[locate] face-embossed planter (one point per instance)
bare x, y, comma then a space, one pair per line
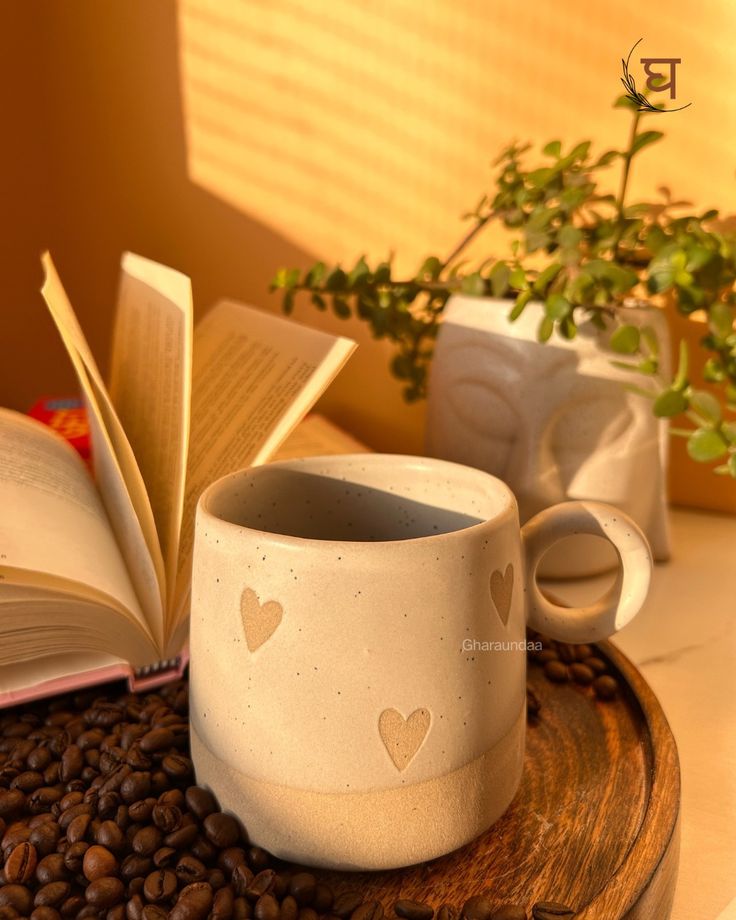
358, 650
553, 421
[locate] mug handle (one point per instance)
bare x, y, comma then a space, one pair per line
620, 604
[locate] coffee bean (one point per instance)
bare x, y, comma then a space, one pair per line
147, 840
241, 878
20, 866
51, 869
176, 765
166, 817
413, 910
323, 898
45, 837
104, 892
52, 894
605, 687
261, 884
200, 802
110, 836
182, 837
510, 912
28, 781
346, 903
551, 910
141, 811
78, 828
289, 909
189, 869
154, 912
194, 902
598, 665
98, 862
477, 908
74, 857
135, 786
302, 886
159, 886
165, 857
546, 655
371, 910
221, 829
72, 763
18, 897
158, 739
12, 802
556, 671
45, 913
258, 858
581, 673
532, 702
266, 908
223, 906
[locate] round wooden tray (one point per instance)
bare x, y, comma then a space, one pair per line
594, 825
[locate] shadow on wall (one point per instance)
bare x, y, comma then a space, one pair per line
108, 135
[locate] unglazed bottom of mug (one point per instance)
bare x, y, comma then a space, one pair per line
385, 829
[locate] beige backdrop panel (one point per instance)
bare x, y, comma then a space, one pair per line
228, 137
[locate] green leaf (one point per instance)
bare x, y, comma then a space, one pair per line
431, 268
319, 301
552, 149
605, 159
557, 307
540, 177
499, 277
285, 278
521, 301
517, 279
568, 328
706, 444
336, 279
650, 339
720, 319
580, 151
705, 405
382, 274
669, 403
288, 303
359, 273
625, 102
340, 306
545, 278
713, 371
473, 285
644, 139
569, 237
315, 275
545, 330
625, 340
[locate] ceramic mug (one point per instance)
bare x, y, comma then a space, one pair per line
358, 649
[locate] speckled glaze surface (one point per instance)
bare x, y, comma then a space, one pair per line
555, 421
358, 628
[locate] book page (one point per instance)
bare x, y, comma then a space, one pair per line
116, 472
255, 376
317, 436
53, 522
150, 386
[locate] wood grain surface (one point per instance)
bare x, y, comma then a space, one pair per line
594, 825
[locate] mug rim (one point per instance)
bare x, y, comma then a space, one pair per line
508, 507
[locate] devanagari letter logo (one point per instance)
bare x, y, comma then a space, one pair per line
656, 78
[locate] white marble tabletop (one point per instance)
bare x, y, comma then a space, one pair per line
684, 642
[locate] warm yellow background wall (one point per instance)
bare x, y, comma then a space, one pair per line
229, 137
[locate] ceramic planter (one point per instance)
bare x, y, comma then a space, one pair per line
554, 421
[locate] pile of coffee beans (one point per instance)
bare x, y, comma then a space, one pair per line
100, 817
562, 662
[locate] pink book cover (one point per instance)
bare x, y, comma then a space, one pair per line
139, 680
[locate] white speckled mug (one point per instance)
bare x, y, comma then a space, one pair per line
358, 649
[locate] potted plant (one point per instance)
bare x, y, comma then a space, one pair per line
578, 256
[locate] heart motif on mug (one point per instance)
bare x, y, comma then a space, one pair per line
502, 587
403, 737
260, 621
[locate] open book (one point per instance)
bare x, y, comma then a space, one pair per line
97, 568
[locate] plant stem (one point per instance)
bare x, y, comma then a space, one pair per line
470, 235
628, 156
